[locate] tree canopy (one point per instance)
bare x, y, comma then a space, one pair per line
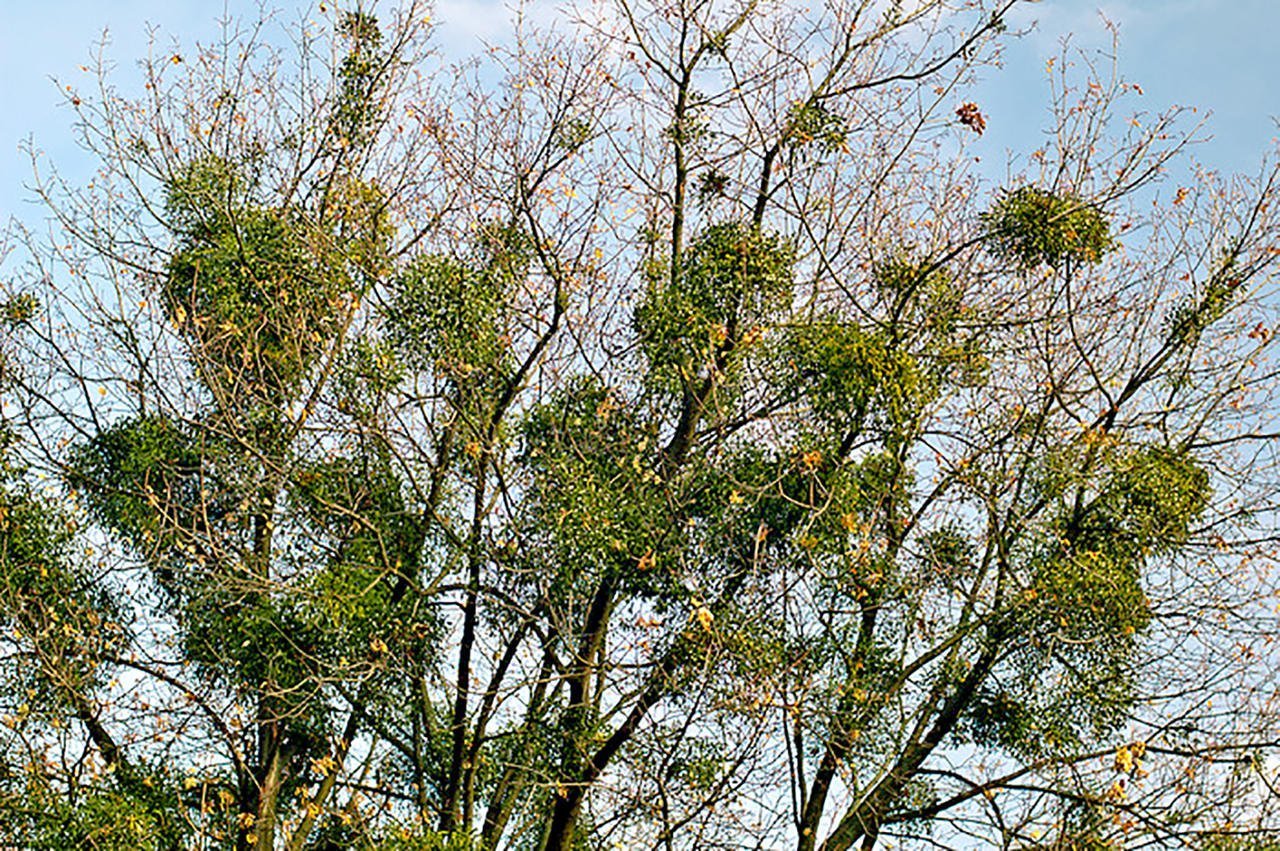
654, 433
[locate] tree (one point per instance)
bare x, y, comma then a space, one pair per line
651, 435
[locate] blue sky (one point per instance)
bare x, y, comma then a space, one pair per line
1218, 55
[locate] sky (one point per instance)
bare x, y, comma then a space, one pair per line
1216, 55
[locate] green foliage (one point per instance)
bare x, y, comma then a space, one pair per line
855, 378
446, 317
258, 311
1084, 605
732, 278
149, 481
1187, 321
575, 133
372, 542
946, 553
1153, 496
1029, 226
813, 122
354, 233
698, 765
60, 621
823, 507
426, 840
237, 636
1088, 586
449, 314
367, 373
1038, 707
260, 291
712, 184
19, 309
733, 272
120, 815
591, 459
358, 77
203, 195
884, 376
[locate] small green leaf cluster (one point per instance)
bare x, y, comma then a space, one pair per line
592, 464
354, 232
883, 375
19, 308
1084, 604
946, 554
425, 839
731, 278
699, 764
238, 636
1188, 321
358, 75
712, 184
855, 377
692, 127
1028, 711
49, 603
929, 309
1088, 584
811, 122
573, 134
132, 468
449, 314
1029, 226
367, 373
355, 509
122, 814
254, 290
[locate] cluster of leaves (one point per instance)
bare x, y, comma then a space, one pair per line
1084, 605
812, 122
358, 79
731, 278
592, 461
50, 604
856, 377
1188, 321
883, 376
136, 811
131, 469
1029, 226
356, 512
20, 308
253, 289
449, 314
